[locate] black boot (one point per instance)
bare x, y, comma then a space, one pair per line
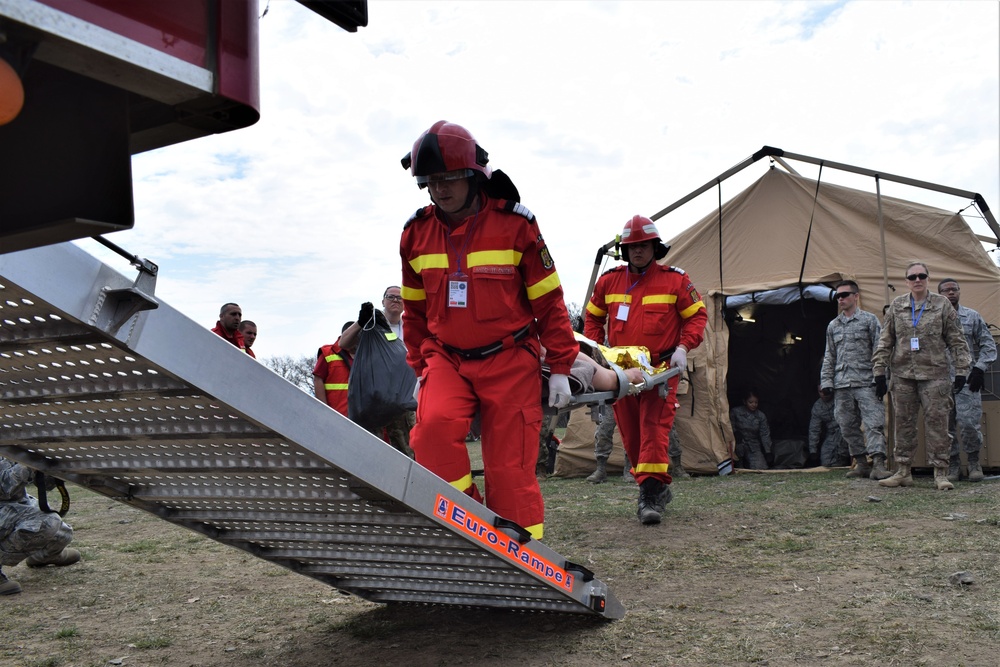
8, 586
653, 498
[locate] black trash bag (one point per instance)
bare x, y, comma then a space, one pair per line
381, 383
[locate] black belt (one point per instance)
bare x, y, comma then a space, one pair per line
492, 348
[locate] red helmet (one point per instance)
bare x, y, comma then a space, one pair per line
640, 229
446, 147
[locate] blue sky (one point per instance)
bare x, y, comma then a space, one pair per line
597, 111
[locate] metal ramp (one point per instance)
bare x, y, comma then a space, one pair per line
102, 386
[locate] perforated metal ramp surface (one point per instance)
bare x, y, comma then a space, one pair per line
164, 415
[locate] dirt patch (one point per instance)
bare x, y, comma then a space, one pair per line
746, 570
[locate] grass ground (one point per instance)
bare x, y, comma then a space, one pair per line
794, 569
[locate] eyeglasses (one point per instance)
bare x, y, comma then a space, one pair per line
844, 295
916, 276
393, 298
949, 290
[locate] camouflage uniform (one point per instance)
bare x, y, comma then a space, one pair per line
824, 428
753, 437
24, 529
847, 369
920, 378
398, 432
968, 412
605, 433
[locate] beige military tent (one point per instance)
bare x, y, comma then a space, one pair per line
783, 232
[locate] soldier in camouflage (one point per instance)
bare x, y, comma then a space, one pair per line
918, 330
964, 424
851, 338
825, 440
25, 531
753, 435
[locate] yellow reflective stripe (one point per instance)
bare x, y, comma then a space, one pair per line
659, 298
333, 357
594, 310
391, 336
335, 387
618, 298
543, 287
434, 261
537, 530
463, 484
692, 309
412, 294
651, 467
493, 258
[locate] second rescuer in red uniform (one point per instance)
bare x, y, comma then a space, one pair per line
480, 289
656, 307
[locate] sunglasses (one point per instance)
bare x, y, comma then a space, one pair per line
916, 276
844, 295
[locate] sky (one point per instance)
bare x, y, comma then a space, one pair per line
596, 110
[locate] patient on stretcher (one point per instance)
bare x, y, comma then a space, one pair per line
592, 371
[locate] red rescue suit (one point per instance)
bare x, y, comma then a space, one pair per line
236, 337
497, 258
658, 309
333, 366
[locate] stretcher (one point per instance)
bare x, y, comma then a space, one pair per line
106, 386
652, 379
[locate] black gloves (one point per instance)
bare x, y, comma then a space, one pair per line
959, 383
827, 392
975, 380
366, 313
881, 388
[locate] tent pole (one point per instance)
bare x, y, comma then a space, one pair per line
975, 196
766, 151
881, 231
777, 154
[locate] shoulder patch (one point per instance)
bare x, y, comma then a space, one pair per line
519, 208
421, 213
676, 269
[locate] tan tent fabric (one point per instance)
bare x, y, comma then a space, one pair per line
764, 230
575, 457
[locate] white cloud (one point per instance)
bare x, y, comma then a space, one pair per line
596, 110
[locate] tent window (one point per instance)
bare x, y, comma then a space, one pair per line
778, 349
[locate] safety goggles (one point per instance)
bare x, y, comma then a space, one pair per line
916, 276
444, 177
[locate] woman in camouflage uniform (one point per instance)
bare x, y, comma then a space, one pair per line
918, 328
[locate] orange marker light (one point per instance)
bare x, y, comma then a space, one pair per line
11, 93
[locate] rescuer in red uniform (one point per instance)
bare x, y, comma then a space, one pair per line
480, 289
228, 326
657, 307
332, 371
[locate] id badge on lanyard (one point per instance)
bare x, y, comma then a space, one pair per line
458, 290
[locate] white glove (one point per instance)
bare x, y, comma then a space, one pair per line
559, 393
679, 359
416, 390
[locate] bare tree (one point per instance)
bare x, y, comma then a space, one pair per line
297, 370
